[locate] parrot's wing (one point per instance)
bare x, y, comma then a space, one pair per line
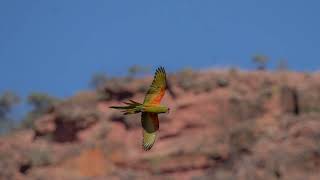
157, 88
150, 124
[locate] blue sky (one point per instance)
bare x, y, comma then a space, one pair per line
56, 46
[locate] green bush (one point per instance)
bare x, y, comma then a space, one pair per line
261, 61
282, 65
41, 103
137, 69
99, 80
186, 79
8, 99
39, 157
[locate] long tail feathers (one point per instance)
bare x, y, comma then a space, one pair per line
131, 108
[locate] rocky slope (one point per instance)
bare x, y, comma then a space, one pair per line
223, 124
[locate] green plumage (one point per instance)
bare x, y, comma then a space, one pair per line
150, 124
157, 88
131, 108
150, 108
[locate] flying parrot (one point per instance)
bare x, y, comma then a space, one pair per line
150, 108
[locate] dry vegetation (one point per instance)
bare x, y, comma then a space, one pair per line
224, 124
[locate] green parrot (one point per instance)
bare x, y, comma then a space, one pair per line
150, 108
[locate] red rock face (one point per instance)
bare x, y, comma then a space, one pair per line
222, 125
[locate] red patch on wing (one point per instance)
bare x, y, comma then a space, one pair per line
158, 97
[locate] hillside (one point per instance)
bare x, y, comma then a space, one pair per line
223, 124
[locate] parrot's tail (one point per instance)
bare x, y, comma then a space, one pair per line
131, 108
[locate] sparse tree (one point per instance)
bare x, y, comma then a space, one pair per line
137, 69
282, 65
98, 80
41, 102
8, 99
261, 61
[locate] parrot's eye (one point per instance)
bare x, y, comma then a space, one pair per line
168, 110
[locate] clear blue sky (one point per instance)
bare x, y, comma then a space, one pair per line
55, 46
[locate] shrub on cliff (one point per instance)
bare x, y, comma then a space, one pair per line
41, 103
8, 100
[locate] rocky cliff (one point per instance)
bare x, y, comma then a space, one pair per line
223, 124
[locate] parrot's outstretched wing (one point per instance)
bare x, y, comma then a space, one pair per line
150, 124
157, 88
